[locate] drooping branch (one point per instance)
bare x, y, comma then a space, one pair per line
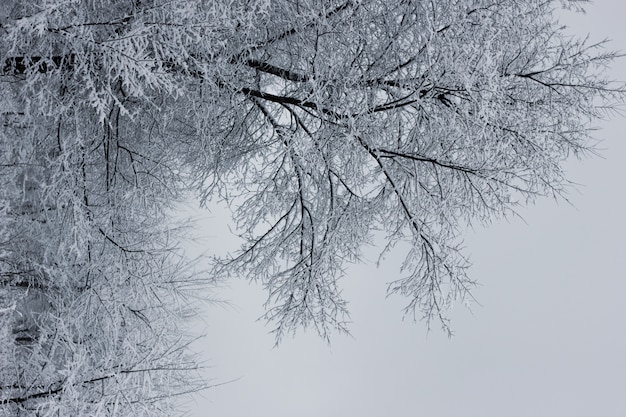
20, 65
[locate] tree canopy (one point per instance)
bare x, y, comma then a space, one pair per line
318, 122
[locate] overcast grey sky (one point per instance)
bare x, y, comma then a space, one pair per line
549, 339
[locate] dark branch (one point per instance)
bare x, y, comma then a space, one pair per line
20, 65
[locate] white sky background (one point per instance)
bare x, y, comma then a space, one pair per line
549, 339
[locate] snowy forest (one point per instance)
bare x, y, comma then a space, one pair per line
317, 122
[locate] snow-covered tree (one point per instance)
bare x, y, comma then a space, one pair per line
94, 288
317, 121
339, 118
